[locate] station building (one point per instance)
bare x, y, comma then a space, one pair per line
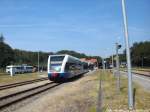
91, 61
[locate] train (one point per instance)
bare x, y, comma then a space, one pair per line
13, 69
62, 67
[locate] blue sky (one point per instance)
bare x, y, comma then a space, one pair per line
88, 26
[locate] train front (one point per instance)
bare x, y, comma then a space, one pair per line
56, 68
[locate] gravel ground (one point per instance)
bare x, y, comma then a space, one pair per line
73, 96
143, 81
80, 95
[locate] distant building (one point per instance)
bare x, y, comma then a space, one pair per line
92, 61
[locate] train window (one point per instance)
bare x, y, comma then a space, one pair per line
29, 67
72, 67
57, 58
55, 67
18, 67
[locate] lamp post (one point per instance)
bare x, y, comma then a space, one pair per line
113, 65
130, 89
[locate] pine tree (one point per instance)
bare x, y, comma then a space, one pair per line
2, 38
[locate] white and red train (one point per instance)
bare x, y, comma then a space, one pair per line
62, 67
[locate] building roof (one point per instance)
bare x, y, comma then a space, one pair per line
92, 60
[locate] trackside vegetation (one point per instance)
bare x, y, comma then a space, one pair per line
114, 101
6, 79
140, 55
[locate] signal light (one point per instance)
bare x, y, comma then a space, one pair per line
119, 46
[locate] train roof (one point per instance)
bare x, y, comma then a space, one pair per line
69, 56
63, 55
59, 55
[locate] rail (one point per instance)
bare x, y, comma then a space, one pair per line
12, 85
19, 96
142, 74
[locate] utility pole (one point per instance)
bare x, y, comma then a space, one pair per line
38, 61
112, 61
117, 67
130, 89
113, 64
104, 65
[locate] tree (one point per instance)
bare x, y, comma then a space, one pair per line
1, 38
140, 53
30, 57
6, 55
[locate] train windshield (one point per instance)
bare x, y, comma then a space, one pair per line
55, 67
57, 58
56, 63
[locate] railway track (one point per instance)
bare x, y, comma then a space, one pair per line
11, 99
142, 74
21, 83
142, 70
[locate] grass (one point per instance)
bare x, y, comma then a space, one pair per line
92, 109
112, 99
6, 78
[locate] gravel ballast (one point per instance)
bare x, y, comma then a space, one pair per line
73, 96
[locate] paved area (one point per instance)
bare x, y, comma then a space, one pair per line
141, 80
146, 73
